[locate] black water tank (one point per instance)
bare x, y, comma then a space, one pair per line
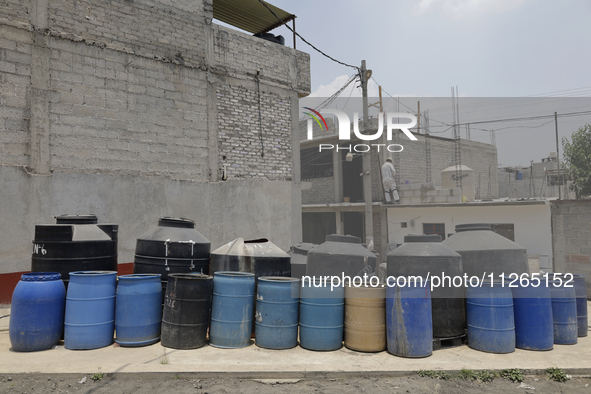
258, 256
422, 255
173, 247
299, 257
484, 251
340, 254
75, 243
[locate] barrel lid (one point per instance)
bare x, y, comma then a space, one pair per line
302, 248
176, 222
140, 276
191, 276
422, 238
278, 279
40, 276
76, 219
254, 248
473, 227
343, 238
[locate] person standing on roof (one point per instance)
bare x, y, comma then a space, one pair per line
389, 181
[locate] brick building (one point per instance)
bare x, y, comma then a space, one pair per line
133, 110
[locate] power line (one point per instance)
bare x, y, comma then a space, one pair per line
303, 39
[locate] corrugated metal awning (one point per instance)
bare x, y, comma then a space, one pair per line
250, 15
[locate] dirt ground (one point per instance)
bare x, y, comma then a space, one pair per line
165, 383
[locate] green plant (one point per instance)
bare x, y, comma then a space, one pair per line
486, 376
164, 360
483, 376
556, 374
513, 374
576, 160
98, 376
434, 374
467, 374
177, 376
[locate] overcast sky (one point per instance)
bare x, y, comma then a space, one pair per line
487, 48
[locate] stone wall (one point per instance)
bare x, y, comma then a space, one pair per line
571, 237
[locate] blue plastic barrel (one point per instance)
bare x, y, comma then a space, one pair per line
581, 294
138, 311
37, 312
491, 321
277, 312
532, 311
90, 309
409, 324
564, 312
231, 309
322, 315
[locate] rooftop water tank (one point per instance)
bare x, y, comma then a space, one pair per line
75, 243
484, 252
258, 256
299, 257
422, 255
340, 255
173, 247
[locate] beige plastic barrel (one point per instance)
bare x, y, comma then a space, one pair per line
365, 318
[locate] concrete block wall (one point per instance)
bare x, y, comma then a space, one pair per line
15, 81
114, 113
426, 193
571, 237
152, 28
320, 192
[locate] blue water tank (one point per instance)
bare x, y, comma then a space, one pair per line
491, 322
532, 310
232, 309
277, 312
37, 312
409, 325
564, 312
322, 315
138, 311
90, 309
581, 294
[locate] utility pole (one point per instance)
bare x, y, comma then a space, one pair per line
365, 74
418, 117
557, 157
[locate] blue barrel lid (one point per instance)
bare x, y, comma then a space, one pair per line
40, 276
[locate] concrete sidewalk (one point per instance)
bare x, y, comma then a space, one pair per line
253, 361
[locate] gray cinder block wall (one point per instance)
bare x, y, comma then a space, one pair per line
571, 237
131, 110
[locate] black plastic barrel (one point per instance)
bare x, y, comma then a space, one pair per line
258, 256
422, 255
75, 243
299, 258
187, 307
173, 247
484, 251
340, 255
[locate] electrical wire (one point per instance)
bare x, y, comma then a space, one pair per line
303, 39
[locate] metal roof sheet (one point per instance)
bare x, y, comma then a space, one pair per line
250, 15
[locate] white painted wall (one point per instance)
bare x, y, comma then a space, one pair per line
532, 222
